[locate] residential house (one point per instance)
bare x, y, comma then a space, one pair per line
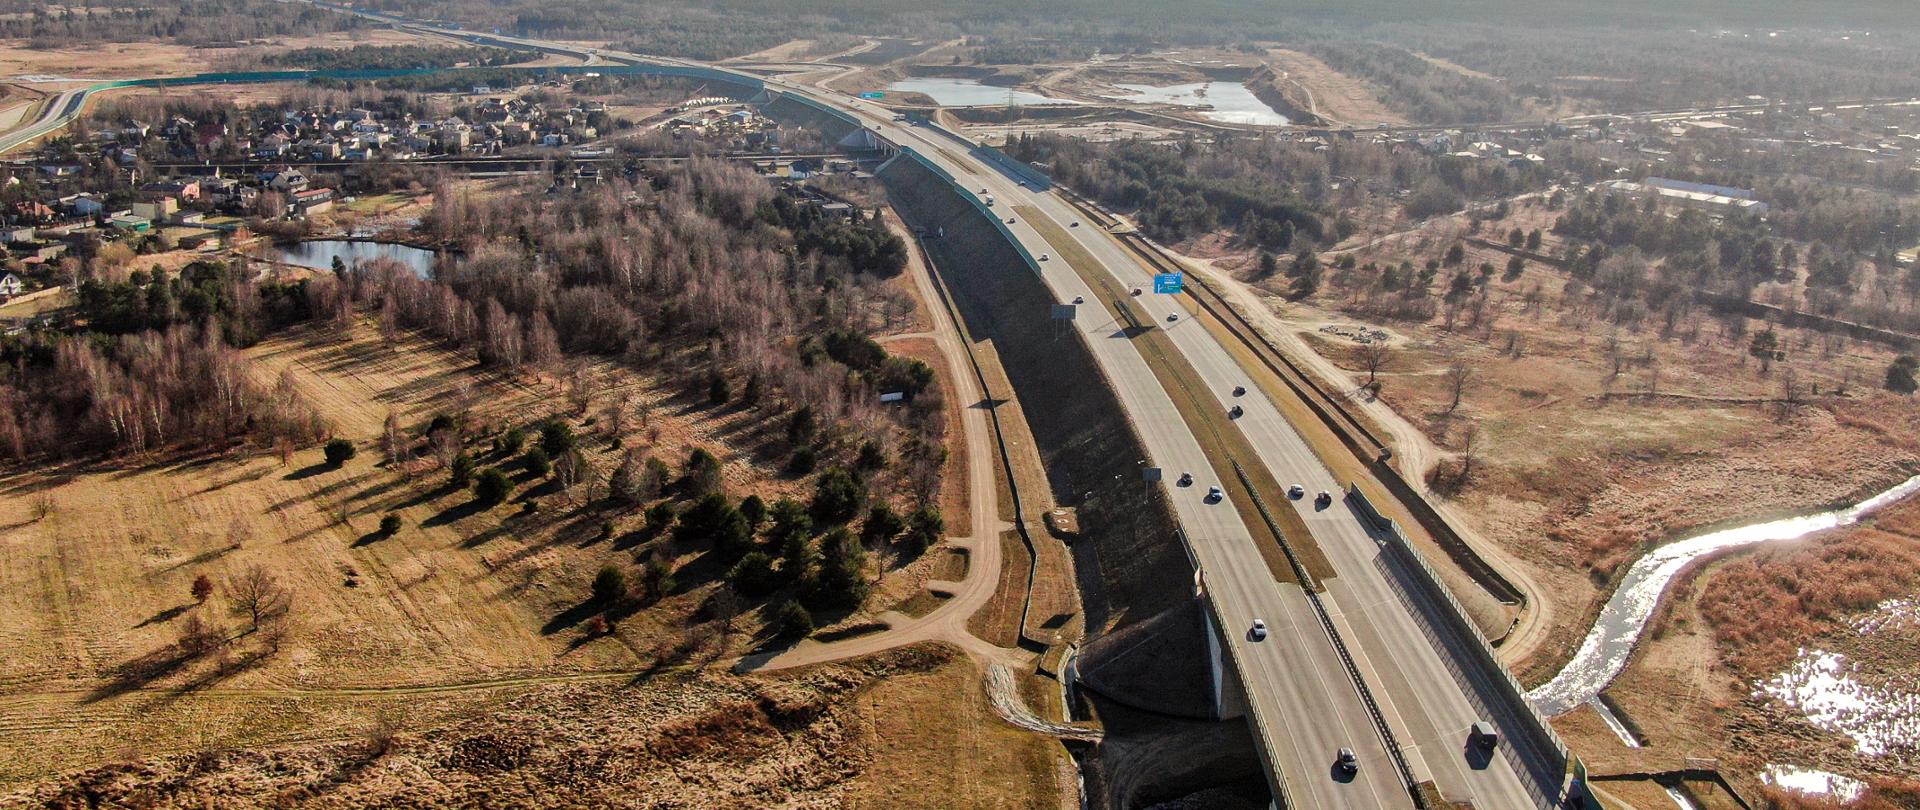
84, 205
156, 210
291, 181
313, 201
33, 211
182, 190
10, 286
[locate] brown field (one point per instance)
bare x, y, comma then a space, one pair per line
1342, 98
132, 60
461, 604
1740, 620
906, 728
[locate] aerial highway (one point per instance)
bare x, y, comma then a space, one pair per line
58, 111
1303, 703
1414, 683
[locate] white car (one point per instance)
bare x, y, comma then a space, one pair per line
1346, 762
1079, 299
1043, 257
1296, 492
1259, 630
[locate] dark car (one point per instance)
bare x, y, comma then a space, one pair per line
1346, 762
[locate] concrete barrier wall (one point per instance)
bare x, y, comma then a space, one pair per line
1443, 533
1490, 684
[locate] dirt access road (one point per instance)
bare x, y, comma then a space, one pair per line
949, 621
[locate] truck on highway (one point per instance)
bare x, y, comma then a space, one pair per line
1484, 735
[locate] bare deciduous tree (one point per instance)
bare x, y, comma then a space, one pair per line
41, 505
258, 595
1467, 440
199, 636
393, 439
446, 445
1374, 357
580, 386
1459, 375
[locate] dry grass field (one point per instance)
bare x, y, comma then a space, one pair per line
460, 609
909, 728
1343, 98
1576, 468
130, 60
1739, 621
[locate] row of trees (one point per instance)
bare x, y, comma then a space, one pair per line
1270, 191
394, 57
183, 386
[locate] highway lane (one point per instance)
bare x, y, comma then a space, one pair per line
57, 113
1426, 701
1305, 707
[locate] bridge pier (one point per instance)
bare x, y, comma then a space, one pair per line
1228, 699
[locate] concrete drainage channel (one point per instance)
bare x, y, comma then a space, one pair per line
1007, 702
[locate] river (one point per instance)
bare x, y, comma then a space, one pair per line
319, 254
1604, 652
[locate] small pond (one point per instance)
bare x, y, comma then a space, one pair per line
319, 254
1232, 102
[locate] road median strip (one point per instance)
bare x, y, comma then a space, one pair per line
1212, 428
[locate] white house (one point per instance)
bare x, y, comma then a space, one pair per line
9, 286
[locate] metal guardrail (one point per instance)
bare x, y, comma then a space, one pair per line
1339, 647
1511, 692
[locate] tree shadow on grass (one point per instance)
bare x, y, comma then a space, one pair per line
634, 539
370, 538
573, 616
166, 615
425, 495
139, 672
227, 667
198, 559
454, 514
308, 471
